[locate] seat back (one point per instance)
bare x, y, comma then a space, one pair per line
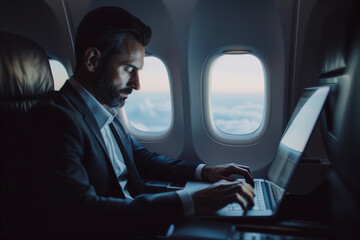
345, 179
341, 119
334, 54
25, 78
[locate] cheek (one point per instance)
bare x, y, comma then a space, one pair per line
121, 78
123, 74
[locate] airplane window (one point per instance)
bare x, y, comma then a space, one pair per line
149, 109
237, 93
59, 73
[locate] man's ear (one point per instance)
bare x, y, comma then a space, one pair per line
92, 59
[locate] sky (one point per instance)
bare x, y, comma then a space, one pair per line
237, 73
229, 73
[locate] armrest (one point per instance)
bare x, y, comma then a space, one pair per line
153, 186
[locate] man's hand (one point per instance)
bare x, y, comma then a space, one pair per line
222, 172
220, 194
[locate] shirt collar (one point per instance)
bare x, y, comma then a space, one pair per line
103, 114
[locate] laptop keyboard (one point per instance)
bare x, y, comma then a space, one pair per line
258, 202
277, 192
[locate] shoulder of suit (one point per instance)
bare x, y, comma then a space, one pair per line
54, 101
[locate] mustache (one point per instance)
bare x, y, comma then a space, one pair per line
126, 90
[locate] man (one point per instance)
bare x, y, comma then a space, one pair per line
85, 176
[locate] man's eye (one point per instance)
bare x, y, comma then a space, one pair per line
129, 69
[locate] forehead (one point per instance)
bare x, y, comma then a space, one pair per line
130, 44
133, 53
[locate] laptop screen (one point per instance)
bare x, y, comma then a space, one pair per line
296, 135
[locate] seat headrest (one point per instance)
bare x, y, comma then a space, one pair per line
25, 74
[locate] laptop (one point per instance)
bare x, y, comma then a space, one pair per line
270, 191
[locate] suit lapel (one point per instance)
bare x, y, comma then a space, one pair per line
120, 135
82, 107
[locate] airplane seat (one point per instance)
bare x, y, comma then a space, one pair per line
345, 179
25, 78
341, 118
333, 53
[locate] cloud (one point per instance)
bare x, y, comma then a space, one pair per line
152, 128
140, 126
244, 117
149, 113
148, 108
244, 126
238, 112
232, 113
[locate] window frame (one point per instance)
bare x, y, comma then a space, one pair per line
149, 136
210, 127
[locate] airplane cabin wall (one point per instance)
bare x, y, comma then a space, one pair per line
230, 25
283, 34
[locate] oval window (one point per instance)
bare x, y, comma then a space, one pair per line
149, 109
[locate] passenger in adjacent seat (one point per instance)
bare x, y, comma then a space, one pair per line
85, 174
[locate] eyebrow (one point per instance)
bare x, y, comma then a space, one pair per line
133, 66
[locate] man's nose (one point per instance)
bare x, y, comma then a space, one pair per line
134, 81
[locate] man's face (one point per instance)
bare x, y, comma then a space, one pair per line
120, 74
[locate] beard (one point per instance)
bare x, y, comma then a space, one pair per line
107, 93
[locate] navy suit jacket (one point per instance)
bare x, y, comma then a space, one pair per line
72, 188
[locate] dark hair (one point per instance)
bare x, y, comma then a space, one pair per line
105, 28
